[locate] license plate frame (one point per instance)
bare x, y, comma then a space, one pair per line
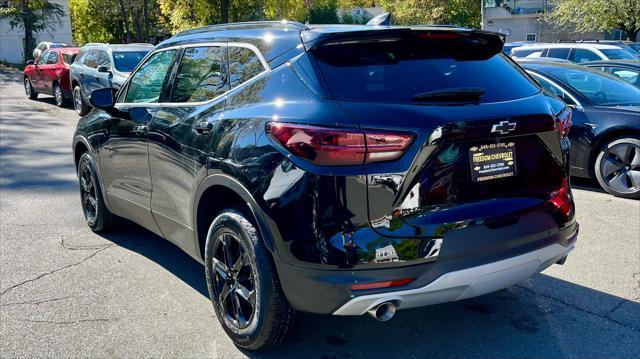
492, 161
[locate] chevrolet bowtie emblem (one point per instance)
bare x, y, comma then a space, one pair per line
503, 127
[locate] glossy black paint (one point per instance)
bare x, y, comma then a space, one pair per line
163, 166
593, 126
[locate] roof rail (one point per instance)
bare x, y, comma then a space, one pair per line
245, 25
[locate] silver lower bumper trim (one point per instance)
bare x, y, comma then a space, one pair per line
465, 283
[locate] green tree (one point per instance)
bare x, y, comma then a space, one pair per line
32, 16
323, 13
597, 15
422, 12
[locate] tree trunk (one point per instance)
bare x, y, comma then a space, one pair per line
145, 11
224, 11
28, 30
125, 22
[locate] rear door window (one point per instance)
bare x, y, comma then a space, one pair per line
561, 53
201, 76
396, 71
584, 55
243, 65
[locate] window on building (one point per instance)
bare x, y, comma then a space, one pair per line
531, 37
201, 76
243, 65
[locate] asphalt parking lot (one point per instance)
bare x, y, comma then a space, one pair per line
67, 292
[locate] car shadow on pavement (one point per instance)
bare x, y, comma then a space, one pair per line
544, 317
586, 184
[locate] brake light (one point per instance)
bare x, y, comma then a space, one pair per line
383, 284
563, 122
562, 201
337, 146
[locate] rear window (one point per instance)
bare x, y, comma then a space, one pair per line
396, 71
127, 61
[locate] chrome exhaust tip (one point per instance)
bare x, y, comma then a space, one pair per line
383, 312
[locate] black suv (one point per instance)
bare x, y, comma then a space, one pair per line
339, 170
102, 65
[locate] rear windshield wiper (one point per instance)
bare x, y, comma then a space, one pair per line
458, 94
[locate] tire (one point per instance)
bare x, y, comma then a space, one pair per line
28, 89
96, 214
79, 104
58, 95
271, 318
617, 167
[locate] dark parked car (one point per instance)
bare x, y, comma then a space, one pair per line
628, 70
605, 136
341, 170
101, 66
50, 75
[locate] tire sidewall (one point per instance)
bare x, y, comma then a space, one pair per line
56, 87
599, 159
229, 221
99, 222
83, 109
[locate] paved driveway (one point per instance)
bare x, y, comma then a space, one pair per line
67, 292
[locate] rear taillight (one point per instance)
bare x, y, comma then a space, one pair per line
562, 202
337, 146
563, 122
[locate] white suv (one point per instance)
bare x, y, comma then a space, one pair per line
573, 52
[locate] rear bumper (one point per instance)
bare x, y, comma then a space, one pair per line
465, 283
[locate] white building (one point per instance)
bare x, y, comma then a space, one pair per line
361, 14
522, 20
11, 48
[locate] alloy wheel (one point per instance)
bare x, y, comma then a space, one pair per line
620, 167
77, 100
88, 194
27, 87
57, 92
234, 280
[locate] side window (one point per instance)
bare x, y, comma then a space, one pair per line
52, 58
42, 59
146, 84
559, 53
201, 76
628, 75
243, 65
102, 58
81, 56
90, 60
584, 55
553, 89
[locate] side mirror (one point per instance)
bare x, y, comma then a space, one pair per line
102, 98
103, 68
30, 62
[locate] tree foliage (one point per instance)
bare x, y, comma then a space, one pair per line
597, 15
421, 12
31, 16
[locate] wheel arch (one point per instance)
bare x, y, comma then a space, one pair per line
604, 138
226, 192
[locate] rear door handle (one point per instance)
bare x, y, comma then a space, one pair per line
203, 127
141, 130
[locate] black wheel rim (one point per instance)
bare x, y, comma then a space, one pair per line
77, 100
620, 168
27, 87
88, 194
58, 94
234, 281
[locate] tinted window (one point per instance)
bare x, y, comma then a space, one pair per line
146, 83
523, 52
393, 71
201, 76
68, 58
628, 75
600, 88
553, 89
127, 61
583, 55
243, 65
42, 59
52, 58
90, 60
559, 53
102, 58
615, 54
